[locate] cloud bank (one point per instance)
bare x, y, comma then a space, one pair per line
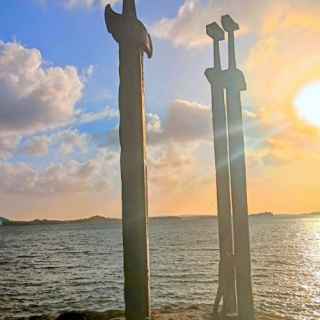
34, 96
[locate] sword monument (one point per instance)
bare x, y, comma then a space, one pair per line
133, 40
236, 84
216, 77
231, 179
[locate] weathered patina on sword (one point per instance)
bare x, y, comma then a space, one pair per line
133, 40
235, 84
215, 76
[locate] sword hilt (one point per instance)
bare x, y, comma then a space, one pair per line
230, 26
126, 28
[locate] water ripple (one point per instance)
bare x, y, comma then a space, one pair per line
54, 268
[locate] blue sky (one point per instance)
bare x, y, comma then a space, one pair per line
77, 37
58, 111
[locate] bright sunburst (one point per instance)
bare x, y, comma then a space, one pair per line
307, 103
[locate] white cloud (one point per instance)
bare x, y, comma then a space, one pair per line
32, 96
71, 141
68, 141
185, 121
88, 117
188, 27
36, 100
71, 177
8, 145
37, 146
87, 73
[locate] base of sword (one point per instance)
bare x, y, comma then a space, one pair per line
229, 316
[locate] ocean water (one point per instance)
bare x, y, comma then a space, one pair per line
47, 269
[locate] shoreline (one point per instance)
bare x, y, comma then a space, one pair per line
193, 312
107, 220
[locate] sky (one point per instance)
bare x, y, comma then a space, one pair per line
59, 149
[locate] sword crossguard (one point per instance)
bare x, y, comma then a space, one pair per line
226, 79
126, 28
235, 79
216, 77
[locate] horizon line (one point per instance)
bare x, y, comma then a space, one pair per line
168, 216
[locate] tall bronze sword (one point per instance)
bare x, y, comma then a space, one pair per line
133, 40
235, 84
217, 80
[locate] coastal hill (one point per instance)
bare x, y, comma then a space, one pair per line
4, 221
102, 219
91, 220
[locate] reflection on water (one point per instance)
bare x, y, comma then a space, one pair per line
45, 269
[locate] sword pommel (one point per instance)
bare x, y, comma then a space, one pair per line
126, 28
215, 32
229, 25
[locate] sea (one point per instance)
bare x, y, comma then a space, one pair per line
45, 269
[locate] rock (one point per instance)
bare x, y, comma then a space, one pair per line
72, 316
41, 318
87, 315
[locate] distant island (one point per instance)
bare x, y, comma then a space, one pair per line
262, 215
94, 219
210, 216
102, 219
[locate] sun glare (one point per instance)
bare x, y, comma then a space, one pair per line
307, 103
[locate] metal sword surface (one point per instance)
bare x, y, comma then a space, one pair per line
133, 40
235, 83
216, 78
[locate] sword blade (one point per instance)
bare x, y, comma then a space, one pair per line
226, 269
134, 183
223, 198
239, 204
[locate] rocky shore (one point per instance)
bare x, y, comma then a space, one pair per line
197, 312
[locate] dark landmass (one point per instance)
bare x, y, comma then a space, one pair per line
314, 214
262, 215
101, 219
266, 215
91, 220
166, 218
201, 216
211, 216
300, 215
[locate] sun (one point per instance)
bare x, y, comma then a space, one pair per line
307, 103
